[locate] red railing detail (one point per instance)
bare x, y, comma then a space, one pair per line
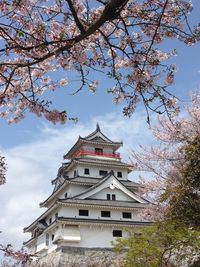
93, 153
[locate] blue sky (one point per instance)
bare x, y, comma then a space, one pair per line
34, 147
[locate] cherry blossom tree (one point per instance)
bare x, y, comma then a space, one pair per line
120, 38
175, 165
173, 239
16, 258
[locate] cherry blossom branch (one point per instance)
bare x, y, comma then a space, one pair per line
19, 257
117, 37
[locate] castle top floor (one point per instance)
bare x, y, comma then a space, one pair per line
95, 145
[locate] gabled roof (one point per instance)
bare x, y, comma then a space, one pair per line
110, 180
98, 135
96, 138
82, 180
93, 180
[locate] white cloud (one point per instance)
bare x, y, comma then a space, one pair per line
33, 165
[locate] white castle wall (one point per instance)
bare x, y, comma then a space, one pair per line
74, 189
94, 213
94, 171
81, 236
96, 237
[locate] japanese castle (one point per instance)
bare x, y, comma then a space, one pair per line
92, 202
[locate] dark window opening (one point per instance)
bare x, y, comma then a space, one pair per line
47, 239
127, 215
86, 171
75, 173
66, 195
108, 196
50, 220
113, 197
119, 174
52, 237
117, 233
101, 172
105, 213
83, 212
98, 151
56, 215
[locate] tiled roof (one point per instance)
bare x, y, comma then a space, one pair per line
104, 203
105, 162
106, 177
94, 180
101, 222
88, 181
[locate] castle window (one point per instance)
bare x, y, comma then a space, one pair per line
47, 240
86, 171
117, 233
98, 151
119, 174
83, 212
66, 195
102, 172
56, 215
50, 220
113, 197
127, 215
108, 196
75, 173
52, 237
105, 213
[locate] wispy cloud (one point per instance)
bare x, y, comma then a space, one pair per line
33, 165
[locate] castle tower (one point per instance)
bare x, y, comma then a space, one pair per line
92, 202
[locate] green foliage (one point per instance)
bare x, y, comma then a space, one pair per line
157, 245
184, 199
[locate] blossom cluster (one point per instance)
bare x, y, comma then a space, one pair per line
18, 256
119, 38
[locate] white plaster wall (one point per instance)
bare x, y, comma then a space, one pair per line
52, 246
71, 190
75, 189
94, 171
41, 242
94, 213
52, 215
118, 193
95, 237
59, 195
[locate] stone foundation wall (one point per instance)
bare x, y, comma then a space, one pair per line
80, 257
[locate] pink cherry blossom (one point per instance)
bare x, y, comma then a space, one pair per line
119, 38
165, 160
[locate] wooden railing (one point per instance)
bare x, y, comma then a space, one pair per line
93, 153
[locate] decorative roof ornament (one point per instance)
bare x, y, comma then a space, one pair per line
98, 127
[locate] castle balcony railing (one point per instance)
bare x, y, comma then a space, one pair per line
84, 152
